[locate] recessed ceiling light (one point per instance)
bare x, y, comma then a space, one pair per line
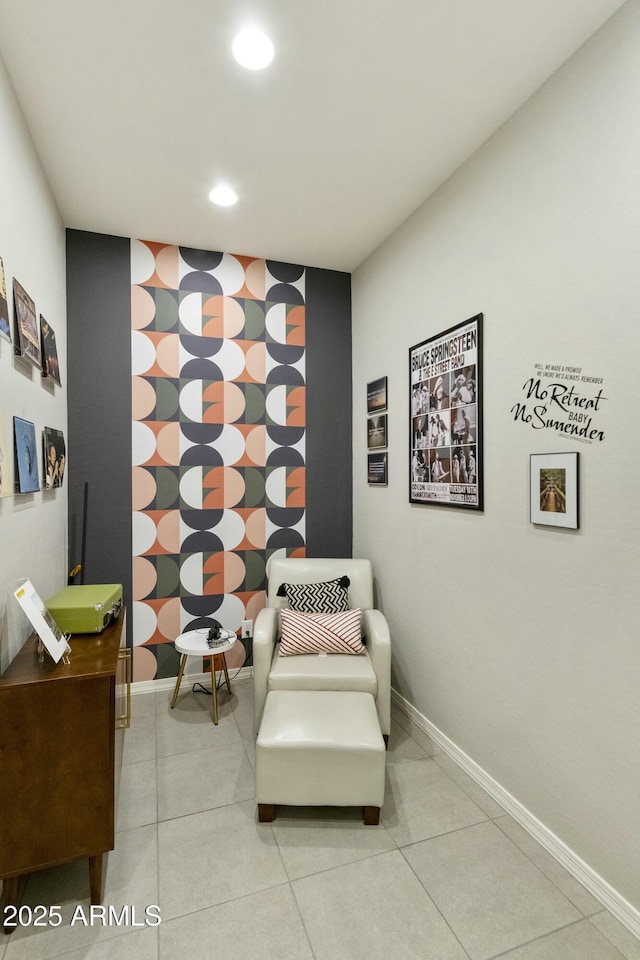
253, 49
224, 196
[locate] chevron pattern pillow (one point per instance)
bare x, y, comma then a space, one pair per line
330, 596
316, 632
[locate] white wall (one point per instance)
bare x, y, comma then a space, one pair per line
520, 642
33, 527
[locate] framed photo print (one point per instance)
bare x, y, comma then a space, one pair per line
377, 432
54, 457
377, 468
445, 418
5, 326
554, 489
24, 434
377, 395
27, 342
50, 365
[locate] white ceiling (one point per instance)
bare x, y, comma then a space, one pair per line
137, 110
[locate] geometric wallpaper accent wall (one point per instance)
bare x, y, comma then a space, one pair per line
218, 442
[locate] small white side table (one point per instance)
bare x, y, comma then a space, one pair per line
194, 644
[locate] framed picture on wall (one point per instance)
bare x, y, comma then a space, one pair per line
377, 432
27, 343
54, 457
5, 326
50, 364
554, 489
24, 434
445, 418
377, 468
377, 395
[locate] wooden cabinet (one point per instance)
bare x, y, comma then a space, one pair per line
61, 734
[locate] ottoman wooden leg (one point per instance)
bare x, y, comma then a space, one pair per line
371, 816
266, 812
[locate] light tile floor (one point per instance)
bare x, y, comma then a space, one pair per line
447, 875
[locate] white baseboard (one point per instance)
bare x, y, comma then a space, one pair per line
625, 912
168, 683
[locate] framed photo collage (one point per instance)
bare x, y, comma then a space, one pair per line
377, 431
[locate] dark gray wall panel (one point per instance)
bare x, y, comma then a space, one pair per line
329, 409
99, 395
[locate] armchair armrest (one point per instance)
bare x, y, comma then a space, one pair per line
265, 629
376, 630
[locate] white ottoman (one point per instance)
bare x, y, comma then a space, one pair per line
320, 748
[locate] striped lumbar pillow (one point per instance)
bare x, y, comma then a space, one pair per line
330, 596
317, 632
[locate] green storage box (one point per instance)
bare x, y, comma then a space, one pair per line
87, 608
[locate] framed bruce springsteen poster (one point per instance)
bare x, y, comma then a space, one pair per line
445, 418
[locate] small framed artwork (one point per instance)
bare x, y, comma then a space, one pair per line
377, 432
50, 365
54, 457
27, 343
377, 395
5, 326
42, 622
554, 489
377, 468
24, 434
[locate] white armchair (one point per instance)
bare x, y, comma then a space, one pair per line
369, 672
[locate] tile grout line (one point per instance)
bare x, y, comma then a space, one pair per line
543, 936
367, 856
625, 956
221, 903
292, 891
304, 926
585, 916
517, 946
441, 914
502, 813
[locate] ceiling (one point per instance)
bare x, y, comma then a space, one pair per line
137, 110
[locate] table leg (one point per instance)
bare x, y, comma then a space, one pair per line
11, 898
183, 660
226, 672
95, 878
214, 690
